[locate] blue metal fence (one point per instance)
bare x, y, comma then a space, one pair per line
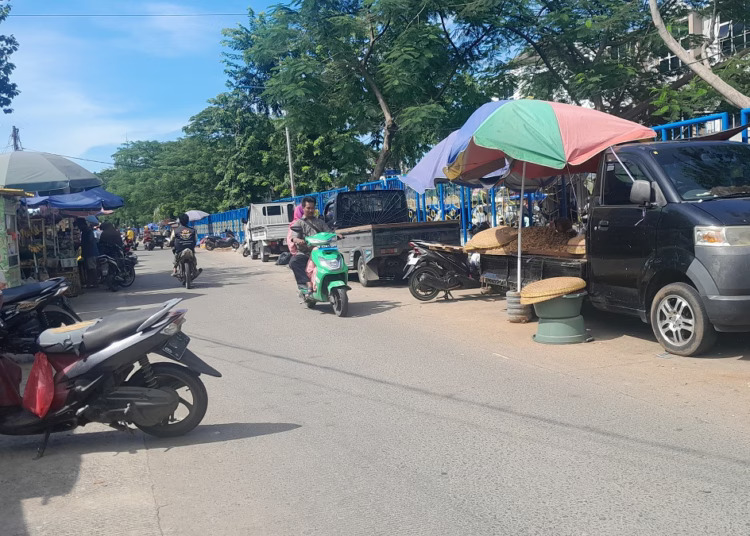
450, 201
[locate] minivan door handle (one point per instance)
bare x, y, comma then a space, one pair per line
603, 225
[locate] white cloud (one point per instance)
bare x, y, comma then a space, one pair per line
163, 36
62, 110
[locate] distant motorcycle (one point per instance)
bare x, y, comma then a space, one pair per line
187, 269
227, 241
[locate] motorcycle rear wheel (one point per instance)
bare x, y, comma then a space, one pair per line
176, 377
187, 272
417, 289
209, 246
129, 277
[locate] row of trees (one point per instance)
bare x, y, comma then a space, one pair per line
368, 84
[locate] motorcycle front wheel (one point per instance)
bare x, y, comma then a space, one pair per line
418, 289
340, 301
209, 246
188, 385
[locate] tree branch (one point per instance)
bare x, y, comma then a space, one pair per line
729, 93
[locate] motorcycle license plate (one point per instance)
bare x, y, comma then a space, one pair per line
176, 346
412, 260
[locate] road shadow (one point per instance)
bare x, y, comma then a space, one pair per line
64, 445
359, 309
606, 326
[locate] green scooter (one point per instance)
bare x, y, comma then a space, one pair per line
330, 274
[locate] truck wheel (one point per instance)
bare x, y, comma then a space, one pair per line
254, 250
362, 272
265, 254
418, 289
680, 322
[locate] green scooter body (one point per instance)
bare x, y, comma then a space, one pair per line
331, 269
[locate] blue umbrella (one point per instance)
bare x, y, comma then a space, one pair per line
424, 175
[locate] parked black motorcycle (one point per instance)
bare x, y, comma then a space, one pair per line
91, 376
227, 241
434, 268
30, 309
115, 268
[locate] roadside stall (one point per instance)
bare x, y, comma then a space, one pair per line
49, 239
10, 263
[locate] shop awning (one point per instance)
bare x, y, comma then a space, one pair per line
94, 199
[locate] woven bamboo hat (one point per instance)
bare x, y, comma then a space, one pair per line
494, 237
577, 245
548, 289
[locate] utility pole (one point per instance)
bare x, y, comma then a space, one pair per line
289, 157
16, 137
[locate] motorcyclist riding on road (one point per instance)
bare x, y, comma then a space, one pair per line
184, 238
307, 225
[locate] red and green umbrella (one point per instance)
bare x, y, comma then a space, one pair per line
547, 136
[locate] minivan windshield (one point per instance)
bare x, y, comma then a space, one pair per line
709, 170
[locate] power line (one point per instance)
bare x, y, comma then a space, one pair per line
114, 15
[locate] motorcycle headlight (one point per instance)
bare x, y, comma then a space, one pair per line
736, 235
331, 264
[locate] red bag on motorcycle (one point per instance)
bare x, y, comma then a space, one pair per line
10, 383
40, 389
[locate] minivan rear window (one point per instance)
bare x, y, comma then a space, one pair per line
703, 171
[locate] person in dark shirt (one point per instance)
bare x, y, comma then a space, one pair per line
110, 241
89, 252
184, 237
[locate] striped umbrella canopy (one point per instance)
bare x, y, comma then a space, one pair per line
547, 136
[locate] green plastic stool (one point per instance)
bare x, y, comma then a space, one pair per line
560, 320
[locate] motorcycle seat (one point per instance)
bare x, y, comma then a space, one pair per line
91, 336
16, 294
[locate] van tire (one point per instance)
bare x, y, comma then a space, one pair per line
362, 271
685, 303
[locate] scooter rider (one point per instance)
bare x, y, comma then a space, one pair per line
184, 238
307, 225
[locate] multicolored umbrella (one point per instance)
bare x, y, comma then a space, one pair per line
548, 136
429, 170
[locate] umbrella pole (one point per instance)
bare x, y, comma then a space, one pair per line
520, 227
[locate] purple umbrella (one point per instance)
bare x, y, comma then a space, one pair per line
422, 176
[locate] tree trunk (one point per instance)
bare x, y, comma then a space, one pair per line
388, 131
730, 94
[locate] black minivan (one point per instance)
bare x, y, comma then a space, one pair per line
668, 239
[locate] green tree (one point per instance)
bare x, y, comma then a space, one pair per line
384, 72
8, 45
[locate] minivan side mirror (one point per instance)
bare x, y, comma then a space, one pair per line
640, 193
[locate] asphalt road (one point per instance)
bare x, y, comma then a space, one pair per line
405, 418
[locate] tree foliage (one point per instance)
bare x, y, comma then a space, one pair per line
8, 45
364, 85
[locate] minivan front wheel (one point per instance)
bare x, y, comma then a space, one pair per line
680, 322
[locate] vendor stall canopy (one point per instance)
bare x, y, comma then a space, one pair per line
33, 171
94, 199
548, 136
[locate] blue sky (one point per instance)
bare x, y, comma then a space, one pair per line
89, 84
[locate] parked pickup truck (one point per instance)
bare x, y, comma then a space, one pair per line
267, 229
667, 240
376, 232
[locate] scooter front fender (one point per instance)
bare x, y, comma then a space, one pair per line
335, 284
